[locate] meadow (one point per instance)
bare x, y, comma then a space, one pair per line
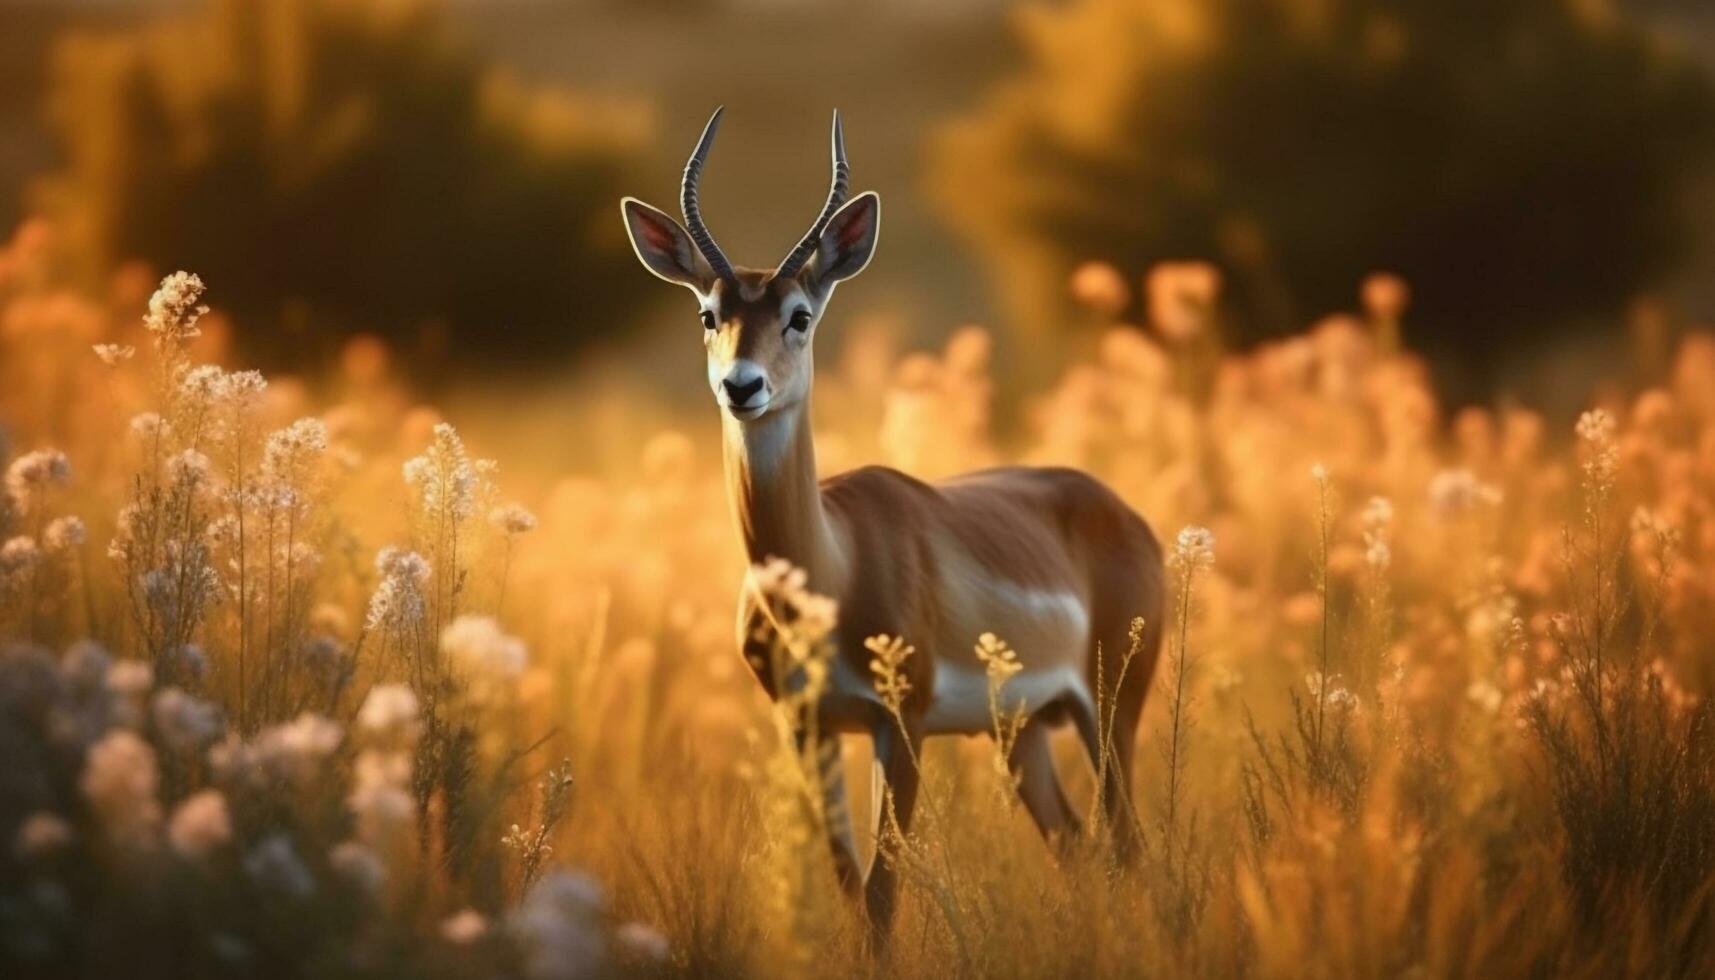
293, 684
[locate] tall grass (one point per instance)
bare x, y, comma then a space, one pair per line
288, 685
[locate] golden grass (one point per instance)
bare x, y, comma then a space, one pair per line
1436, 701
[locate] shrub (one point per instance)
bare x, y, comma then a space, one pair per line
1522, 162
346, 162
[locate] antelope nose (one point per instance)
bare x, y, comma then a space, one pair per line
739, 393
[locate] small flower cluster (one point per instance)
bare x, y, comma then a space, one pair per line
1378, 534
784, 588
888, 666
512, 519
484, 654
1194, 549
174, 310
447, 482
1600, 454
1456, 493
999, 660
121, 782
114, 355
1328, 690
399, 603
31, 475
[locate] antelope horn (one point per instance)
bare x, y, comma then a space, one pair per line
688, 201
836, 197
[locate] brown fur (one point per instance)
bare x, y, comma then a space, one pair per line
874, 538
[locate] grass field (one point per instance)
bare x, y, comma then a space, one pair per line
291, 684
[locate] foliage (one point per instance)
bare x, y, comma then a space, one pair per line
1523, 162
345, 163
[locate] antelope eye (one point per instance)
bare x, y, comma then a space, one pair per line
708, 319
800, 321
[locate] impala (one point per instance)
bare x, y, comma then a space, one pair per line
1050, 559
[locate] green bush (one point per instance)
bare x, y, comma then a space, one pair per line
345, 164
1516, 160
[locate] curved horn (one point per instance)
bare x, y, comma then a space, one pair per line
688, 201
836, 197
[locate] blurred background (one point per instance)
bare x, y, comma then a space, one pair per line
445, 174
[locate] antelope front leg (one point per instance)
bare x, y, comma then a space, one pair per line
836, 811
896, 759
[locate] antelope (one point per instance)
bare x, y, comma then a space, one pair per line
1050, 559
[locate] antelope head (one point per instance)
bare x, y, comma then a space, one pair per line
758, 325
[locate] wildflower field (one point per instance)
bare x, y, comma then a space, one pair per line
295, 681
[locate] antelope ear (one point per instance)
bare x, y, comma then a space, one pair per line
848, 241
663, 246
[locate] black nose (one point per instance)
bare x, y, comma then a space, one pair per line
738, 395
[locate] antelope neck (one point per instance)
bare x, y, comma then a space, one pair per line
771, 483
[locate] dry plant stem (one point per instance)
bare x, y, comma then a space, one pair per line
1322, 592
243, 597
895, 845
505, 573
1175, 762
1106, 714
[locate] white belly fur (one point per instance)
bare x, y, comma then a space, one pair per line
1050, 631
961, 702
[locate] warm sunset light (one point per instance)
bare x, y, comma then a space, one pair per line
1066, 488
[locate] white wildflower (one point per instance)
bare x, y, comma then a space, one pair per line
130, 678
1223, 678
1329, 689
296, 749
1455, 492
149, 426
120, 782
65, 533
380, 797
1596, 430
999, 660
560, 927
243, 388
481, 647
18, 555
188, 468
1194, 548
203, 386
1378, 534
390, 711
783, 587
113, 355
444, 477
185, 723
30, 476
398, 602
288, 451
1484, 695
512, 518
464, 927
174, 310
1596, 427
200, 825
